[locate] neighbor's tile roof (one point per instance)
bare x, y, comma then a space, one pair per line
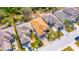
58, 24
71, 11
52, 19
62, 16
23, 37
49, 18
22, 31
5, 42
6, 45
26, 25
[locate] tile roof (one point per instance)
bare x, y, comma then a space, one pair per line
49, 18
72, 11
52, 19
22, 31
6, 45
39, 26
62, 16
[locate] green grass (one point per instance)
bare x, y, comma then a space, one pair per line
68, 49
77, 43
52, 35
69, 29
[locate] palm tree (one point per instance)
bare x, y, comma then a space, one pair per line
12, 19
19, 46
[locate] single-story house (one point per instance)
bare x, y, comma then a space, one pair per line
5, 42
25, 39
73, 12
39, 26
53, 21
62, 16
24, 34
49, 19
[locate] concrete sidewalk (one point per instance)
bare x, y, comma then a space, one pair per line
64, 32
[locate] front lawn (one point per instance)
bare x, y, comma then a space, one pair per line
69, 28
52, 35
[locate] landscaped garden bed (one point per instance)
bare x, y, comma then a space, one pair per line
35, 41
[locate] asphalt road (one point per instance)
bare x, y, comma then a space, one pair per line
63, 42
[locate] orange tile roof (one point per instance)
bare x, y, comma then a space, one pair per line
39, 25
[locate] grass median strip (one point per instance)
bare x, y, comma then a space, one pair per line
68, 49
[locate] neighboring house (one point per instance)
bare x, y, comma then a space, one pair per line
49, 19
52, 21
59, 25
25, 39
5, 41
62, 16
39, 26
73, 12
24, 34
26, 25
6, 45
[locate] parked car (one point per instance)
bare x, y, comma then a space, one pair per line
77, 38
